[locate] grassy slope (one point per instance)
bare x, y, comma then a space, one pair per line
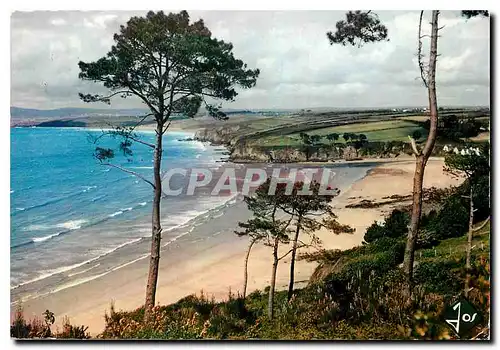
392, 130
311, 314
454, 248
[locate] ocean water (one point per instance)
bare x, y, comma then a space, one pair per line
68, 211
74, 220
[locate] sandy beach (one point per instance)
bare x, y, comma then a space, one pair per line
218, 268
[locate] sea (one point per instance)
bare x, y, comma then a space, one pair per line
74, 220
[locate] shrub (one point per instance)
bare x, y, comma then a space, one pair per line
437, 277
374, 232
36, 328
481, 196
396, 225
453, 219
73, 332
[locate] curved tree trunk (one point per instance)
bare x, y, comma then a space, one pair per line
469, 242
270, 305
156, 230
292, 261
421, 158
418, 180
245, 273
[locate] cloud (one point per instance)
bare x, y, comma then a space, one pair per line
299, 68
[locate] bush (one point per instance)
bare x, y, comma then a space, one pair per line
437, 277
73, 332
396, 225
481, 195
453, 219
36, 328
374, 232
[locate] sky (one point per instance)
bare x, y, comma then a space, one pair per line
299, 68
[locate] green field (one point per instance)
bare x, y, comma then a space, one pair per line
392, 130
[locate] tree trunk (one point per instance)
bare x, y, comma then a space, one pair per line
156, 230
421, 159
411, 241
292, 261
270, 306
245, 273
469, 243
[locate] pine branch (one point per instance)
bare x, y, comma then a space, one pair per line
414, 146
130, 172
482, 225
419, 54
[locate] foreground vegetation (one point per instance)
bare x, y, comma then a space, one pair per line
353, 294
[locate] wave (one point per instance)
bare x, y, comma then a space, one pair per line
141, 167
98, 197
119, 212
42, 239
83, 280
88, 188
143, 204
55, 200
86, 270
12, 191
172, 240
63, 269
69, 225
217, 216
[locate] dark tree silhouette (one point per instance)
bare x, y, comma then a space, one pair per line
473, 166
359, 27
473, 13
416, 135
172, 66
309, 213
266, 227
332, 137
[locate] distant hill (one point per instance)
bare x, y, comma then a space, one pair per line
17, 112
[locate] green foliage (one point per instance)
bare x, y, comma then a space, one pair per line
476, 167
473, 13
332, 137
437, 277
35, 328
264, 224
181, 58
359, 27
453, 219
365, 299
453, 128
481, 196
170, 65
103, 154
73, 332
395, 225
416, 135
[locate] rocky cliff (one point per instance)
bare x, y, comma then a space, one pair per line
242, 150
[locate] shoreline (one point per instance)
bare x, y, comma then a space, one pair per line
215, 263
